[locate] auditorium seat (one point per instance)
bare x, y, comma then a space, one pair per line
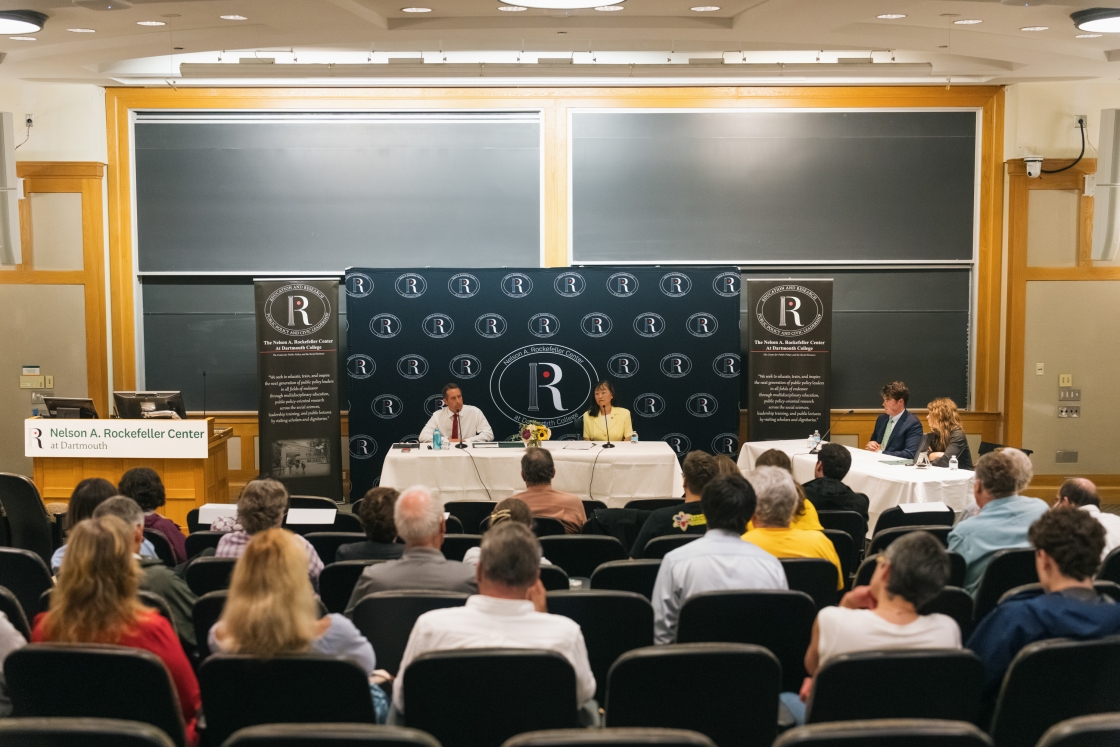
590, 507
156, 602
727, 691
845, 550
814, 576
241, 691
1100, 730
620, 737
193, 523
931, 683
199, 541
93, 681
658, 547
209, 574
957, 604
329, 735
902, 732
957, 567
337, 582
162, 546
481, 697
884, 538
637, 576
342, 523
311, 501
581, 554
779, 621
1051, 681
1007, 569
25, 574
1110, 568
543, 526
80, 732
470, 513
11, 607
207, 609
24, 516
652, 504
896, 517
554, 578
386, 618
327, 543
851, 522
455, 546
613, 622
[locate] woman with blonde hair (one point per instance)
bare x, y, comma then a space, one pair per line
805, 515
95, 601
946, 437
272, 610
725, 465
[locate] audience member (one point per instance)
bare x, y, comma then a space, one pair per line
420, 523
725, 465
537, 470
87, 496
1067, 547
144, 486
511, 509
261, 507
826, 492
946, 437
10, 640
776, 495
272, 610
718, 561
376, 514
1078, 492
95, 601
805, 515
507, 612
154, 575
686, 517
1004, 516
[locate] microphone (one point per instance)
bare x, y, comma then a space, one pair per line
816, 449
607, 428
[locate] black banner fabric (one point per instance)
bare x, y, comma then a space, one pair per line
790, 360
297, 365
531, 344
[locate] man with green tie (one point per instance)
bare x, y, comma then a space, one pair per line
897, 431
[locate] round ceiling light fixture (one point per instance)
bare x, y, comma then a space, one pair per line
566, 4
21, 21
1097, 20
233, 18
512, 8
891, 16
968, 21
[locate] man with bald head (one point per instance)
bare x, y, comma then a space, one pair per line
1079, 492
420, 523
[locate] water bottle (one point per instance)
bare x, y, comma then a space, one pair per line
952, 462
816, 438
809, 442
437, 440
633, 437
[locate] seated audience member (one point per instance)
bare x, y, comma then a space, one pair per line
686, 517
507, 612
776, 495
1067, 547
884, 615
826, 492
272, 610
154, 575
1004, 516
87, 496
511, 509
1077, 492
376, 514
946, 436
898, 432
805, 517
10, 640
537, 470
420, 523
144, 486
261, 506
725, 465
95, 601
718, 561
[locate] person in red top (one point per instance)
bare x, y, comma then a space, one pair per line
95, 601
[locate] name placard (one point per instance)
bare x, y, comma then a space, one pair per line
116, 439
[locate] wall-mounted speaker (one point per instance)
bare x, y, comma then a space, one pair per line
1106, 196
11, 252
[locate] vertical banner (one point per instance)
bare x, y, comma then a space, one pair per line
297, 365
790, 360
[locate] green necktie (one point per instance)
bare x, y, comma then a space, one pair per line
887, 433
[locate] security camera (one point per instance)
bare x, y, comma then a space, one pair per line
1034, 166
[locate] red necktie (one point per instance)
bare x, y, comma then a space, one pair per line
455, 427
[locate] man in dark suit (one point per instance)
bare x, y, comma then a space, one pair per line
897, 432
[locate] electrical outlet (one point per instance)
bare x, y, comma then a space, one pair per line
50, 383
1065, 379
29, 120
1065, 394
1069, 412
1079, 121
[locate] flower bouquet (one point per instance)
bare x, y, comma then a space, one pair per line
532, 433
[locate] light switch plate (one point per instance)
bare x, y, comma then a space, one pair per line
50, 382
1065, 379
31, 382
1039, 369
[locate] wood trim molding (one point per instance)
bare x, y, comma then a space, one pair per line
1046, 486
63, 169
989, 268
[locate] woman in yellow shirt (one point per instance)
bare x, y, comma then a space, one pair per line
805, 517
617, 418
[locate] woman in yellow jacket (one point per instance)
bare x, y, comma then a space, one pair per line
594, 427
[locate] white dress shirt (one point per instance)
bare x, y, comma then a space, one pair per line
1111, 524
489, 622
472, 425
718, 561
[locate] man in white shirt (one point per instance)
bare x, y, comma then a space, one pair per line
718, 561
1078, 492
508, 612
457, 422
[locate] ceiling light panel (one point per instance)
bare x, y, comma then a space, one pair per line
1035, 28
233, 18
566, 4
704, 8
150, 23
512, 8
81, 31
1097, 20
21, 22
891, 16
968, 21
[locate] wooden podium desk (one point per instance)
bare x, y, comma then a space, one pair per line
189, 483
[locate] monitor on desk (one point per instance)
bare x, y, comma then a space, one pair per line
136, 405
70, 407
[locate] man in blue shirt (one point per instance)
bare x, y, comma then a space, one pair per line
897, 431
1004, 516
1068, 546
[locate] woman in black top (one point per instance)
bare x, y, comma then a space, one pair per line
947, 437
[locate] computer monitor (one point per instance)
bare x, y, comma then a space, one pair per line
138, 405
70, 407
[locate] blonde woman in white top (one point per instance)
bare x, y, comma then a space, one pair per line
603, 414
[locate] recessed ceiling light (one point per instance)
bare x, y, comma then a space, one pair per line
566, 4
1035, 28
968, 21
81, 31
1089, 36
21, 22
233, 18
608, 7
704, 8
416, 10
22, 38
891, 16
150, 23
512, 8
1097, 20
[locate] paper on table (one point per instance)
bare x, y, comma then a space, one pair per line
311, 515
579, 445
918, 508
211, 512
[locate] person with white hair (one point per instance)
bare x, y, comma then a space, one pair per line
418, 516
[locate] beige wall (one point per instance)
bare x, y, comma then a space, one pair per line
1039, 116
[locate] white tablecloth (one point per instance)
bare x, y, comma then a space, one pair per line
648, 469
886, 485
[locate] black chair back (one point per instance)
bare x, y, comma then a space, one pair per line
652, 504
207, 610
156, 602
329, 735
620, 737
25, 574
1110, 568
613, 622
470, 513
455, 546
327, 543
957, 604
337, 582
1007, 569
28, 524
581, 554
637, 576
48, 680
931, 683
590, 507
342, 523
241, 691
536, 689
11, 608
884, 538
386, 619
779, 621
658, 547
845, 550
193, 524
851, 522
736, 683
957, 568
200, 540
814, 576
543, 526
1051, 681
209, 574
987, 447
554, 578
310, 501
162, 546
80, 732
1101, 730
900, 732
896, 517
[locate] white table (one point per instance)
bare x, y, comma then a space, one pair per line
648, 469
886, 485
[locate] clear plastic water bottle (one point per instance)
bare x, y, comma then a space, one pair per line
633, 437
437, 440
953, 462
816, 438
809, 442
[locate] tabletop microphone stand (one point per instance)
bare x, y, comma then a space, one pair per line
816, 449
607, 428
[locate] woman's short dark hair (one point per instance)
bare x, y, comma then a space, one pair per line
87, 496
143, 485
376, 514
919, 567
594, 409
1073, 538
